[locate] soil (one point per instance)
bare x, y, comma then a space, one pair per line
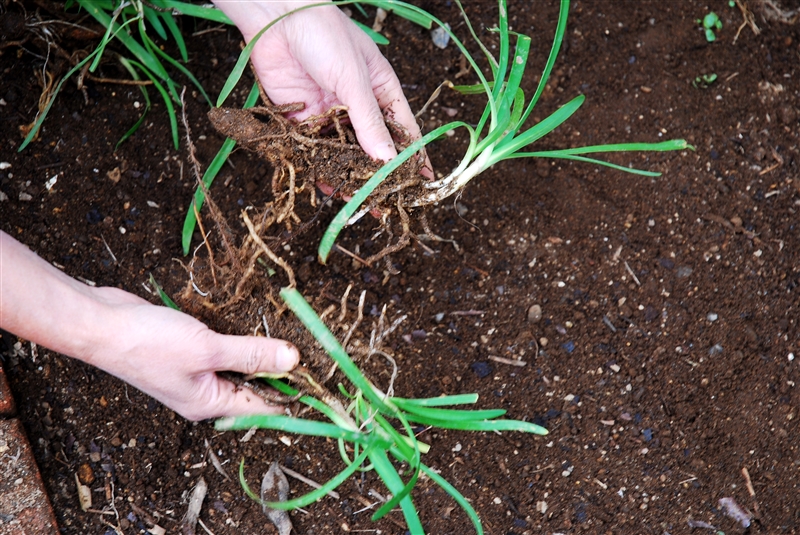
662, 359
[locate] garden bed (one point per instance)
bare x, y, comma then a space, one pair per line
655, 317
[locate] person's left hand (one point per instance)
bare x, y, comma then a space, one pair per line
174, 357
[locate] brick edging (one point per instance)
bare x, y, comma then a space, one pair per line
24, 505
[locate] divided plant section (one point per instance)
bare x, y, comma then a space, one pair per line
362, 420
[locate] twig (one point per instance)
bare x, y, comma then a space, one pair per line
307, 481
511, 362
205, 528
635, 278
113, 257
352, 255
751, 490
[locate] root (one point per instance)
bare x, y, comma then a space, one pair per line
267, 251
402, 242
774, 11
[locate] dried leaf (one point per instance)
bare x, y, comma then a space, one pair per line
189, 521
275, 488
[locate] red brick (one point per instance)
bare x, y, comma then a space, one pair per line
6, 400
24, 503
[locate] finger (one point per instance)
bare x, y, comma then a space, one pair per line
251, 354
367, 120
240, 401
391, 99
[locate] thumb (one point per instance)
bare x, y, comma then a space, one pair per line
253, 354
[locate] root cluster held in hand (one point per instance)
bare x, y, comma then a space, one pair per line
321, 153
235, 276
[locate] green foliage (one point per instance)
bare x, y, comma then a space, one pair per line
710, 23
365, 425
501, 132
704, 80
124, 22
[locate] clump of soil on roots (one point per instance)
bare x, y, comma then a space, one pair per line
243, 274
322, 152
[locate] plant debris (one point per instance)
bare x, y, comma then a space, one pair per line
275, 488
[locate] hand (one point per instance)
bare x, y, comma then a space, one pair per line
163, 352
174, 358
319, 57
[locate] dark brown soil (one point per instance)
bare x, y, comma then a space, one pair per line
663, 360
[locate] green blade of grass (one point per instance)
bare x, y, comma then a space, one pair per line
441, 401
480, 425
564, 156
450, 414
173, 119
308, 317
574, 153
151, 48
166, 57
190, 222
561, 28
291, 424
393, 482
169, 21
378, 38
312, 496
135, 48
457, 496
152, 17
200, 11
347, 211
132, 130
163, 295
510, 145
403, 11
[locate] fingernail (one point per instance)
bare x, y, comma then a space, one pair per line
286, 358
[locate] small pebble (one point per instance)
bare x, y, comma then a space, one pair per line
25, 196
4, 166
535, 313
481, 369
716, 349
440, 36
85, 474
712, 316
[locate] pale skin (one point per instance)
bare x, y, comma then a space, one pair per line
318, 57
